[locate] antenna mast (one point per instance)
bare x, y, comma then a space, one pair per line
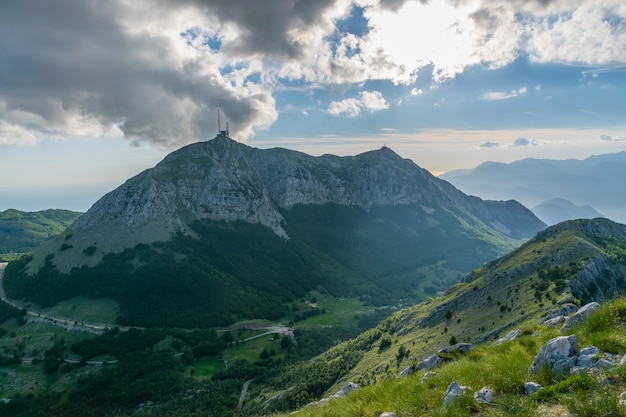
219, 127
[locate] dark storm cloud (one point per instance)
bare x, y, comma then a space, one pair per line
70, 67
265, 24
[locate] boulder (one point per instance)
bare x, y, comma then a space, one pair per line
581, 315
483, 395
388, 414
429, 363
558, 355
427, 376
453, 392
554, 322
588, 357
457, 349
345, 390
512, 335
406, 372
603, 364
530, 387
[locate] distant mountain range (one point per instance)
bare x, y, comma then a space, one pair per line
596, 182
558, 210
21, 232
220, 231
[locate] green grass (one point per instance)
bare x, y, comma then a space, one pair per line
207, 367
251, 350
600, 329
504, 369
84, 309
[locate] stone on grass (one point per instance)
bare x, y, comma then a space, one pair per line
483, 395
453, 392
554, 322
558, 355
427, 376
406, 372
429, 363
530, 387
581, 315
588, 357
512, 335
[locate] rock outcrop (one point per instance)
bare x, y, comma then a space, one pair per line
558, 355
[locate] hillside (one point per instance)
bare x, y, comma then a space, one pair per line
220, 232
158, 371
595, 181
21, 232
560, 269
493, 379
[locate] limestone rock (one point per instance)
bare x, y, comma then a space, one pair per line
581, 315
512, 335
429, 363
483, 395
530, 387
453, 392
406, 372
588, 357
558, 355
455, 350
427, 376
554, 321
345, 390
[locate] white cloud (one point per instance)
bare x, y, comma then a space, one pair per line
11, 134
352, 107
500, 95
591, 32
374, 100
417, 91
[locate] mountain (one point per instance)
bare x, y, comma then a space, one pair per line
22, 232
558, 210
562, 268
595, 181
220, 231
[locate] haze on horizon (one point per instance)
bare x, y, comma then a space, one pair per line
92, 93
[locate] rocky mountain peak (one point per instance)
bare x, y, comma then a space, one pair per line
225, 180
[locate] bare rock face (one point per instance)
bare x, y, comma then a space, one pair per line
215, 182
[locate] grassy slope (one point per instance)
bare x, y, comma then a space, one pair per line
504, 294
21, 232
504, 369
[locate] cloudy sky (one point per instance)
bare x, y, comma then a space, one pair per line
93, 92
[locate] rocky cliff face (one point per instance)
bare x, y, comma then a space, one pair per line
225, 180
